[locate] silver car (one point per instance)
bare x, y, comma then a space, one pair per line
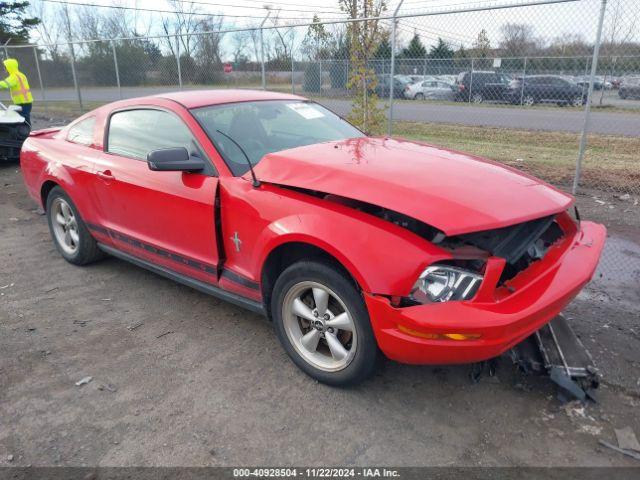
429, 89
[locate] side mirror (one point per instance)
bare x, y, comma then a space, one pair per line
175, 159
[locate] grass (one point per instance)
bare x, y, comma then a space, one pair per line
610, 161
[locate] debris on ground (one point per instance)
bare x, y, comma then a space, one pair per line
82, 323
131, 328
629, 453
108, 387
627, 440
9, 285
165, 333
9, 458
83, 381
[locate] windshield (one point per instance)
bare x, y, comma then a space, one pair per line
264, 127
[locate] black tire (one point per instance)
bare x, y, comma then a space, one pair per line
528, 100
419, 96
477, 98
367, 354
87, 250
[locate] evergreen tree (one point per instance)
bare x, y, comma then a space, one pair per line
441, 50
14, 22
383, 50
415, 49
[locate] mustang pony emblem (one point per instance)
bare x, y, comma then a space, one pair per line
236, 241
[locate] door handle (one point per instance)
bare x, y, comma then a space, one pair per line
106, 175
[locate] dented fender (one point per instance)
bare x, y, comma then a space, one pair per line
382, 257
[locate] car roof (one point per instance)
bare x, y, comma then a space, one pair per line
203, 98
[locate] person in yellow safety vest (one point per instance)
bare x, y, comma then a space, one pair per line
18, 86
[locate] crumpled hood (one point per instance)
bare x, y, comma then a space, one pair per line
11, 65
452, 191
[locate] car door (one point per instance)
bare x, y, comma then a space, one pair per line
164, 217
443, 91
545, 88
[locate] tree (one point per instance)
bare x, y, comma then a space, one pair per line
316, 40
441, 50
384, 49
364, 38
415, 49
518, 39
482, 45
15, 23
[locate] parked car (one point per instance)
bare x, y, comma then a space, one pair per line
599, 83
545, 88
399, 84
431, 89
481, 86
420, 78
351, 245
13, 131
629, 88
450, 79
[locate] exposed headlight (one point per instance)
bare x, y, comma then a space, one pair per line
441, 283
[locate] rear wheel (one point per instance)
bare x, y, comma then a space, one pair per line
576, 101
69, 232
419, 96
323, 324
528, 100
477, 98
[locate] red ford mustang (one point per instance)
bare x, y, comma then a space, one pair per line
350, 244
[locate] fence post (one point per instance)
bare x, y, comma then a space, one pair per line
6, 50
587, 108
471, 81
394, 26
178, 60
320, 69
115, 63
524, 74
43, 92
293, 79
75, 76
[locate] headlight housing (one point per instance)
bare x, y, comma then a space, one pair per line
442, 283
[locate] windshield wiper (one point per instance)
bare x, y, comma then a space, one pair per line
256, 182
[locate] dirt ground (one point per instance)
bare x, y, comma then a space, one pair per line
202, 382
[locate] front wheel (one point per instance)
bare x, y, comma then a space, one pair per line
577, 101
528, 100
477, 98
69, 232
323, 324
419, 96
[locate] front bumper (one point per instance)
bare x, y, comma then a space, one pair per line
501, 323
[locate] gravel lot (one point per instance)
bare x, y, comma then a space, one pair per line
202, 382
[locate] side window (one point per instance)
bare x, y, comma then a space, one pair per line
82, 132
135, 133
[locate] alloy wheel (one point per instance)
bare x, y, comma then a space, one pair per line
319, 326
528, 101
65, 226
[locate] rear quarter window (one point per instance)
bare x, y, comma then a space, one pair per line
82, 132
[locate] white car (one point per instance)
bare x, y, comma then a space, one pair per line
429, 89
13, 131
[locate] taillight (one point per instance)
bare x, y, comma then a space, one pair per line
461, 86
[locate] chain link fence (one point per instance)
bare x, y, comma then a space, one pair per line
550, 87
